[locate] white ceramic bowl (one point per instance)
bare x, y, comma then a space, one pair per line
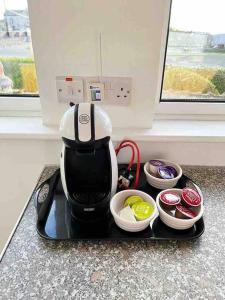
175, 223
160, 183
116, 204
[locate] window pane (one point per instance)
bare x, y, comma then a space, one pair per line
17, 68
195, 58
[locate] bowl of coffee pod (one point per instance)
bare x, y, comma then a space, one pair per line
133, 210
180, 208
162, 174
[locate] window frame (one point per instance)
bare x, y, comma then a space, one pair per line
20, 104
182, 108
14, 105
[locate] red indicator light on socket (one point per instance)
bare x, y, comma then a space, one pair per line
69, 78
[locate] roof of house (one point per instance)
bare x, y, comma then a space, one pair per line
15, 13
219, 38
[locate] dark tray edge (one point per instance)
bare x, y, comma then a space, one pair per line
48, 238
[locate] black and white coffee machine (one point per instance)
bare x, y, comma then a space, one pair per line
88, 164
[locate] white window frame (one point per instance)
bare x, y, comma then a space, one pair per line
19, 106
182, 110
13, 105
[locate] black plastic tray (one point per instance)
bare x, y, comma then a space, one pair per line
54, 218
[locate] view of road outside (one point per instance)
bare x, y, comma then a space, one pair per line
195, 58
17, 68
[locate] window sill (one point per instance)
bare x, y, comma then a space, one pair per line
190, 111
162, 130
26, 128
20, 107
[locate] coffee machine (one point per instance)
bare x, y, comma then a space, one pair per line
88, 163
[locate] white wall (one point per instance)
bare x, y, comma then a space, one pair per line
21, 163
65, 38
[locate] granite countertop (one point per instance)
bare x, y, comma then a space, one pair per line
33, 268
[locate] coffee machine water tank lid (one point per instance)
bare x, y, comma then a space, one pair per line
85, 121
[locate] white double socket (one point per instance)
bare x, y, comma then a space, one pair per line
108, 90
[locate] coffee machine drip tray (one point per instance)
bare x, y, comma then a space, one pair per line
54, 220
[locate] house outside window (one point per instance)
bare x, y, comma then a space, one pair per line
17, 67
195, 56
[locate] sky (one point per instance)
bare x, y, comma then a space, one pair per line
198, 15
12, 4
190, 15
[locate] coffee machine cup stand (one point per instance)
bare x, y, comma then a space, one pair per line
73, 204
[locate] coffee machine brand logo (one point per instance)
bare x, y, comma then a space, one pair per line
84, 119
89, 209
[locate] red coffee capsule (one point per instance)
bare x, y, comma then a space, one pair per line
169, 200
183, 212
191, 198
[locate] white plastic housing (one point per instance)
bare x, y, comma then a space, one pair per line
102, 128
102, 123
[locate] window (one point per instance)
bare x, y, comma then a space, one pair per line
17, 68
194, 66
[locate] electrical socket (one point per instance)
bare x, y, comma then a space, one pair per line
120, 91
117, 90
70, 89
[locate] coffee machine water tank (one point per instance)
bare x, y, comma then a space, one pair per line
88, 164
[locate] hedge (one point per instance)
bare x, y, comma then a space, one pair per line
219, 81
187, 80
12, 68
29, 78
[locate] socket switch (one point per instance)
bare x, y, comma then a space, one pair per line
70, 89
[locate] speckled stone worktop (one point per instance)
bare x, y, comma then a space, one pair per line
33, 268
